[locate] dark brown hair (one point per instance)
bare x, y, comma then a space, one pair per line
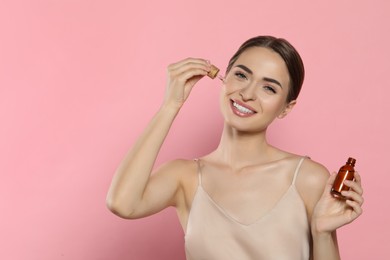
289, 54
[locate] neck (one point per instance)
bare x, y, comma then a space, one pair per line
240, 149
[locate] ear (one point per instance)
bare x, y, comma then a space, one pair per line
287, 109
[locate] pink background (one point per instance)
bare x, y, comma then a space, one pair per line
80, 79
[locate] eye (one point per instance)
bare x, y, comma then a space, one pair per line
240, 75
270, 89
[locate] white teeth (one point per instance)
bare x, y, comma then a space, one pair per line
242, 109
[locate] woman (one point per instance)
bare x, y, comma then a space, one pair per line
247, 199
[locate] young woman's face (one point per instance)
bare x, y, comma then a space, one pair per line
255, 90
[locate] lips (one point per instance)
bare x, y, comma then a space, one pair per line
241, 109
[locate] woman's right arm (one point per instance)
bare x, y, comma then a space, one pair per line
133, 193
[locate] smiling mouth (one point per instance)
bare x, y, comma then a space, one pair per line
242, 109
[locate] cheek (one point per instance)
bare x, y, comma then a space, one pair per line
230, 88
272, 105
231, 85
223, 97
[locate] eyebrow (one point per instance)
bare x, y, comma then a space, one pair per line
243, 67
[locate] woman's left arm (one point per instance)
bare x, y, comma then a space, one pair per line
331, 213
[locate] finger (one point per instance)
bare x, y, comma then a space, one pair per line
358, 178
187, 60
351, 195
193, 74
356, 186
179, 64
357, 209
186, 66
330, 182
189, 70
331, 178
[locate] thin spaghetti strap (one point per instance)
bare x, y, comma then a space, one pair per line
199, 172
297, 170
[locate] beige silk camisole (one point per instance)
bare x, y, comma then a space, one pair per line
281, 234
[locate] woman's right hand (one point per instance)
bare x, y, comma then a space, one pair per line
182, 76
133, 192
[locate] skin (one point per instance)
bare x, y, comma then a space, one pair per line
258, 80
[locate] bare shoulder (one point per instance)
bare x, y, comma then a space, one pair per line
312, 174
182, 170
311, 182
177, 167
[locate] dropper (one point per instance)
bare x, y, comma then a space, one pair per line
213, 73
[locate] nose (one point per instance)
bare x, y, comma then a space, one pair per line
248, 92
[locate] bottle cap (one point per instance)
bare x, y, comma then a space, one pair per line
213, 72
351, 161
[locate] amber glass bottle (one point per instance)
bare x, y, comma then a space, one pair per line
346, 172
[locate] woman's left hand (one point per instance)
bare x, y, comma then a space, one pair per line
331, 213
